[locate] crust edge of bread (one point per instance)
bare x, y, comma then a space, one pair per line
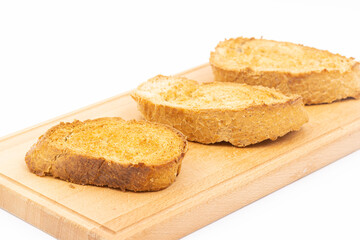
46, 160
213, 125
315, 86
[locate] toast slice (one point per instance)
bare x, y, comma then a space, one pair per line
129, 155
213, 112
318, 76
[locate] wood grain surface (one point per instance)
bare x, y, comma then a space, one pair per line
215, 180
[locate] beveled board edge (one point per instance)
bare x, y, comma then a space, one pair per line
17, 199
226, 196
241, 190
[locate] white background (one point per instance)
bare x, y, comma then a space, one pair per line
58, 56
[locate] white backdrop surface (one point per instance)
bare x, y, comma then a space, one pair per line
58, 56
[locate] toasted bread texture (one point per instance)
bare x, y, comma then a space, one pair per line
318, 76
129, 155
213, 112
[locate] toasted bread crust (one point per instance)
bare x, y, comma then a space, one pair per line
44, 159
240, 127
315, 86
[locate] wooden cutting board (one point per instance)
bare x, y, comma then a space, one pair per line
215, 179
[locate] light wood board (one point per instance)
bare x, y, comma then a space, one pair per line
215, 180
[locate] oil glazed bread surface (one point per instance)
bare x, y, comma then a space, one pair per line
213, 112
129, 155
317, 75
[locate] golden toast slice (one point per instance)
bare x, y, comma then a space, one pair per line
130, 155
213, 112
317, 75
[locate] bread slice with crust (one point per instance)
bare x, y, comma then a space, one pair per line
318, 76
130, 155
213, 112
